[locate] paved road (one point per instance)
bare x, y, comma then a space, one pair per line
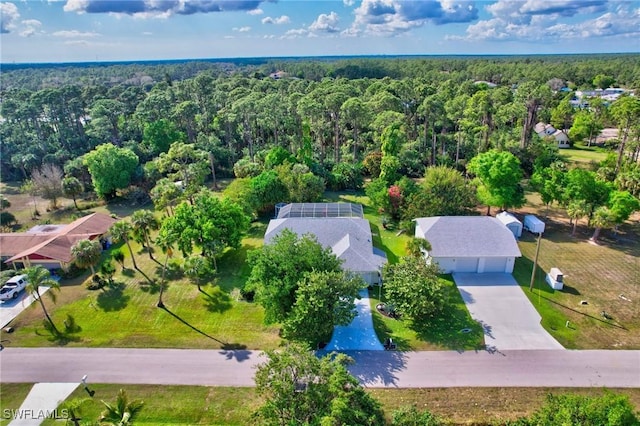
374, 368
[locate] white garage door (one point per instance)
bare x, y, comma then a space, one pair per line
495, 264
467, 264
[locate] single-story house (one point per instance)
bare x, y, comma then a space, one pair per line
338, 226
50, 245
548, 131
469, 243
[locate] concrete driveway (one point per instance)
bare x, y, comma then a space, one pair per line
9, 309
499, 304
359, 335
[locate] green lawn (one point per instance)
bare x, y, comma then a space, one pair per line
126, 314
441, 333
201, 405
11, 397
583, 154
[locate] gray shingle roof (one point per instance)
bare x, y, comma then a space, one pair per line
349, 239
467, 236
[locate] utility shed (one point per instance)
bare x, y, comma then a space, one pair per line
511, 222
476, 244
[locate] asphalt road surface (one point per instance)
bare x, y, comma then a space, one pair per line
535, 368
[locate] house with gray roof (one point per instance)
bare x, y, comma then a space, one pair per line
346, 233
469, 243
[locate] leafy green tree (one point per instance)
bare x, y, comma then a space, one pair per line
586, 125
584, 185
410, 416
48, 181
239, 191
444, 192
209, 223
413, 288
550, 183
322, 301
111, 168
609, 409
121, 413
346, 176
417, 247
38, 276
118, 256
278, 267
299, 388
276, 157
72, 187
562, 115
392, 139
498, 176
165, 195
302, 185
121, 232
268, 190
86, 254
603, 81
160, 134
378, 192
187, 164
622, 205
626, 112
371, 163
532, 97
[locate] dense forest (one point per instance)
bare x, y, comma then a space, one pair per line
336, 118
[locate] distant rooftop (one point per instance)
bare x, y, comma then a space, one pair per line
322, 210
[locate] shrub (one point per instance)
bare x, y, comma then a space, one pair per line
96, 283
245, 168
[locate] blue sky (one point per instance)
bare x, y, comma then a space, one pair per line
112, 30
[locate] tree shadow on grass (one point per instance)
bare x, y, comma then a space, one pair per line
113, 298
377, 242
61, 337
127, 272
152, 287
217, 300
192, 327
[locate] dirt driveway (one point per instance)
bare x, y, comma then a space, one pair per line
508, 318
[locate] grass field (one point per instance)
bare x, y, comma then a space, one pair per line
581, 154
126, 314
605, 276
200, 405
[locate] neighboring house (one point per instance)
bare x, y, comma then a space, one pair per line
50, 245
469, 243
548, 131
607, 135
338, 226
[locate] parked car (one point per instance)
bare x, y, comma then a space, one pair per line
13, 287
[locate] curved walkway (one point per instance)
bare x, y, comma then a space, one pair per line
360, 334
537, 368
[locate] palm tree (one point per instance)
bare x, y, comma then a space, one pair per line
165, 242
39, 276
196, 268
602, 218
87, 253
417, 246
122, 413
575, 211
73, 408
143, 221
120, 231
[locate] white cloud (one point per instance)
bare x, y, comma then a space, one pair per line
348, 2
326, 23
284, 19
147, 33
9, 15
392, 17
74, 34
256, 12
295, 33
547, 21
31, 27
242, 29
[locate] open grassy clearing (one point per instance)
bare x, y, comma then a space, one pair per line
581, 154
201, 405
126, 314
598, 274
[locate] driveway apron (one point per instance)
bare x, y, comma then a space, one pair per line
359, 335
508, 318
